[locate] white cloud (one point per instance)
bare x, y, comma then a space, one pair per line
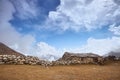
88, 14
103, 46
99, 46
26, 9
46, 51
115, 29
9, 9
8, 34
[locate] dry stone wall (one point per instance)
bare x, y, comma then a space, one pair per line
78, 61
12, 59
26, 60
66, 60
71, 58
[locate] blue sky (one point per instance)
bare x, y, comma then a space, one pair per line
51, 27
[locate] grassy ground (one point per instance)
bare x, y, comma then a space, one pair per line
75, 72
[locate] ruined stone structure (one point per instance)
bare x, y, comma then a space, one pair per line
76, 58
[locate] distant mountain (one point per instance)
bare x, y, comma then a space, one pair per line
113, 53
5, 50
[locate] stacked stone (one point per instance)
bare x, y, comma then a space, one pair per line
78, 61
65, 60
7, 59
72, 59
45, 63
62, 62
12, 59
31, 60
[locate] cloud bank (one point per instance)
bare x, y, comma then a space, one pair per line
46, 51
85, 14
26, 9
101, 46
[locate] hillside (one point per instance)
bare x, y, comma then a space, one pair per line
5, 50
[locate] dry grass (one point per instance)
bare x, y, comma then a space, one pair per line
76, 72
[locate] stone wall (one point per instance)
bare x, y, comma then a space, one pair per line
30, 60
72, 58
26, 60
12, 59
82, 60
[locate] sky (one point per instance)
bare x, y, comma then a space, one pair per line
48, 28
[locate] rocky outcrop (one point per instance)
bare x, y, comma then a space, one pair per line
77, 58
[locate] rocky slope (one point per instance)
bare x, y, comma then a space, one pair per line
5, 50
